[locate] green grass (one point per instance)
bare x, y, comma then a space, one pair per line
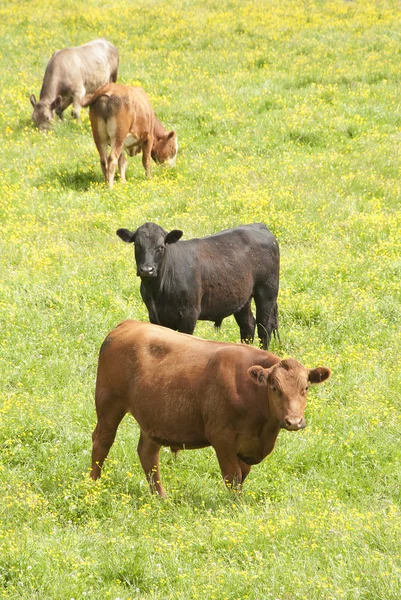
286, 113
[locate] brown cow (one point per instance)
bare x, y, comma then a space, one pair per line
188, 393
122, 117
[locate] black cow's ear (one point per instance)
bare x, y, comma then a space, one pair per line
318, 375
258, 375
33, 100
126, 235
173, 236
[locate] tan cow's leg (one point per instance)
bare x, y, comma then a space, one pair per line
148, 451
146, 156
117, 149
122, 166
103, 438
101, 138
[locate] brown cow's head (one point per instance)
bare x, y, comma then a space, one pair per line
150, 244
43, 111
165, 149
287, 385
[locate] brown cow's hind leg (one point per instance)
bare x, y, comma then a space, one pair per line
103, 438
148, 451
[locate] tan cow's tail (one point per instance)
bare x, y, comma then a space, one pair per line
90, 99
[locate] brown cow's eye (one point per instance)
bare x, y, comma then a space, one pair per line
273, 387
307, 388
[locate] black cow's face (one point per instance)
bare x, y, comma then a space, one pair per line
150, 244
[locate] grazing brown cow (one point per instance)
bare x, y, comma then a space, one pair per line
122, 117
70, 74
188, 393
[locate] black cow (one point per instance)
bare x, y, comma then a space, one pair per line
209, 278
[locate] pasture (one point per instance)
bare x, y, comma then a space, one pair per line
287, 113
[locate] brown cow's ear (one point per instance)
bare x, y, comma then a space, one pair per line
126, 235
258, 375
170, 135
173, 236
318, 375
33, 100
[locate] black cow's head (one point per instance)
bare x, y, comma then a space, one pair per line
150, 244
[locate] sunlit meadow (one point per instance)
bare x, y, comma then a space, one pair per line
289, 113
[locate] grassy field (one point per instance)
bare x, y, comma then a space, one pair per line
287, 113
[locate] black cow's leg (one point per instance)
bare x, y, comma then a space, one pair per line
266, 314
148, 452
246, 322
187, 322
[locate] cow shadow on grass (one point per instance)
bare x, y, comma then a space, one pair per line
79, 179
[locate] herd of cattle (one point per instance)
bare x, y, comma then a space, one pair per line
183, 391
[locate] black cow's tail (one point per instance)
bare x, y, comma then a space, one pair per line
274, 323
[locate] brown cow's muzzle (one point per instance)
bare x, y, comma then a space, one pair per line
293, 423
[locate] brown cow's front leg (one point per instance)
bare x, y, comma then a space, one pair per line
148, 451
245, 469
229, 464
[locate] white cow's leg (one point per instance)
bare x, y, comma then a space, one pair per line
76, 104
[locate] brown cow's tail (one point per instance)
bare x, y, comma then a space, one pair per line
90, 99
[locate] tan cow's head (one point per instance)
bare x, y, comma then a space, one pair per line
165, 149
287, 384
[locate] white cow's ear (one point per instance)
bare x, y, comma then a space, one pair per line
33, 100
56, 103
173, 236
126, 235
318, 375
258, 375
